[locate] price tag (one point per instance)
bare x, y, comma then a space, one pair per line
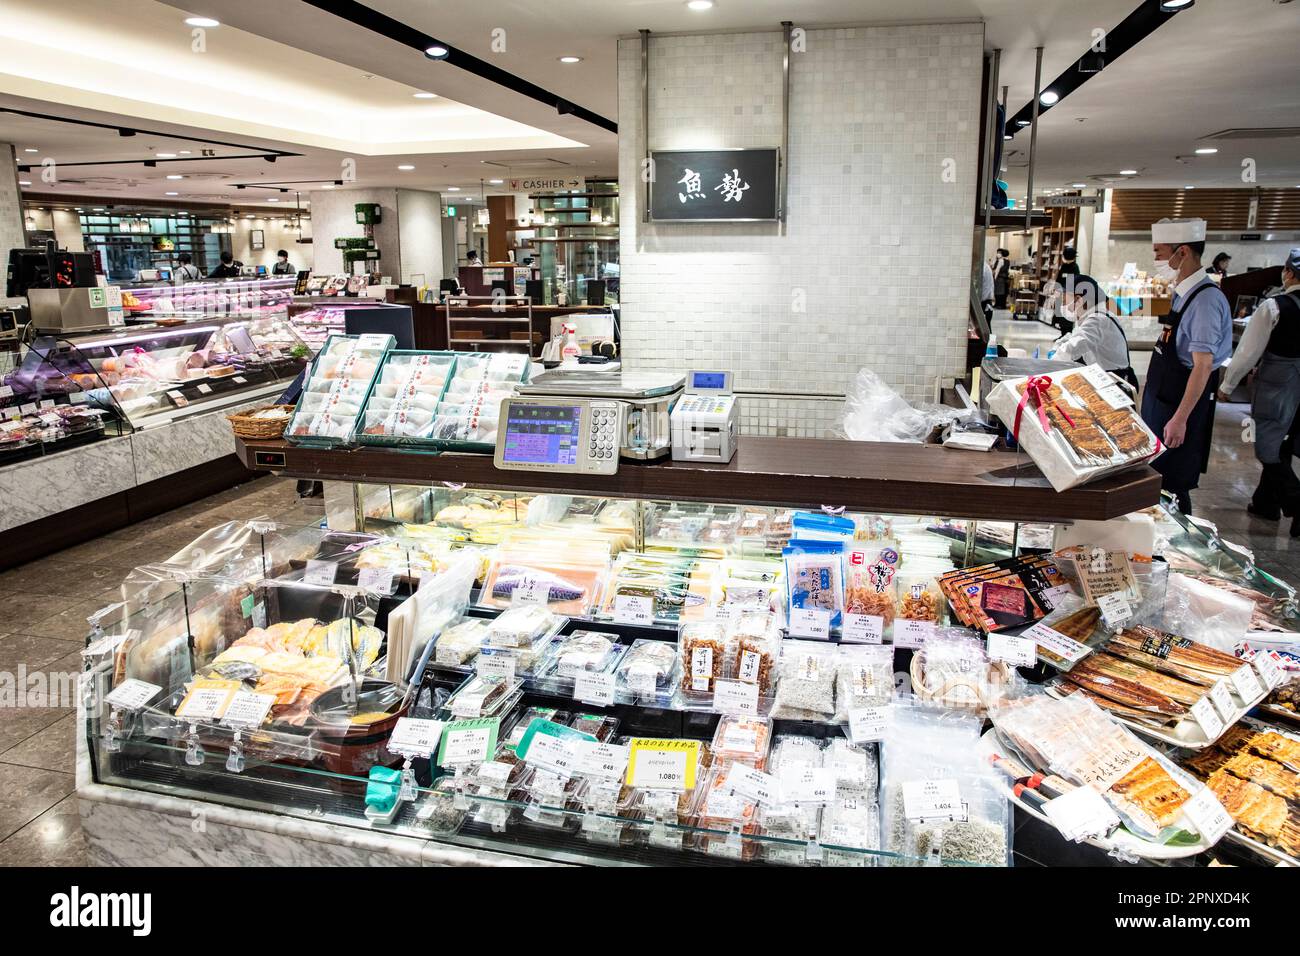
735, 697
1269, 672
1017, 651
240, 380
552, 753
497, 665
176, 396
132, 694
1207, 815
912, 634
634, 609
1115, 609
933, 800
808, 785
606, 761
376, 580
468, 741
1222, 699
530, 590
259, 614
642, 678
592, 688
204, 388
320, 573
1057, 643
1080, 814
864, 629
868, 723
814, 622
28, 409
1246, 683
662, 764
415, 737
248, 709
51, 418
47, 403
754, 785
494, 772
371, 341
1055, 595
205, 703
1204, 713
6, 391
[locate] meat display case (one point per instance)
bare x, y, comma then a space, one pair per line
205, 300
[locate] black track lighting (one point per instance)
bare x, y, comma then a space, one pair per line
150, 163
1092, 62
269, 159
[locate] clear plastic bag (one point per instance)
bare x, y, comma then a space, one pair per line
1204, 613
875, 412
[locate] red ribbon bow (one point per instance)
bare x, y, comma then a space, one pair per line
1037, 386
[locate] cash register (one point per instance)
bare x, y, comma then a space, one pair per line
705, 419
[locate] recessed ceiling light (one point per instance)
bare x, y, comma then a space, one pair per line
273, 200
173, 194
24, 182
326, 185
1206, 151
1078, 185
166, 155
1006, 136
498, 182
1128, 172
202, 22
175, 176
699, 6
406, 167
1048, 97
185, 152
1169, 6
425, 96
436, 52
1022, 122
1189, 187
570, 59
453, 189
31, 149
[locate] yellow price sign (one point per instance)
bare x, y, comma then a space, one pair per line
662, 764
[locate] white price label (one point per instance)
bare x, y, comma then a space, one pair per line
864, 629
735, 697
47, 403
376, 580
606, 761
1222, 699
248, 709
415, 737
496, 665
467, 745
204, 703
240, 380
660, 770
912, 634
1115, 610
1017, 651
320, 573
1207, 815
552, 753
1080, 814
754, 785
808, 785
371, 341
592, 688
204, 388
634, 609
1057, 643
933, 800
6, 391
1246, 683
132, 694
1204, 713
814, 622
868, 723
28, 409
1269, 672
530, 590
642, 678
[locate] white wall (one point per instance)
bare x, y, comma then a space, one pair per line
1129, 248
334, 217
276, 236
419, 223
12, 234
877, 243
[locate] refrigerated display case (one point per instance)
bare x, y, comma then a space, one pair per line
205, 300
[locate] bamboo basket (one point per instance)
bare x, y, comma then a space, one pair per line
245, 425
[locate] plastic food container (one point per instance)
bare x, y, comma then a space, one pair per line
483, 696
742, 740
648, 673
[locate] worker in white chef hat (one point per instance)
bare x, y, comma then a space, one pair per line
1178, 403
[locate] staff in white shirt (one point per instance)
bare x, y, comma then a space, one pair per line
1098, 337
1272, 341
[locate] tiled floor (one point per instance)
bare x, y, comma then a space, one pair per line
46, 604
43, 628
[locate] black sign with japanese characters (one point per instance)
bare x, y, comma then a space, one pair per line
714, 184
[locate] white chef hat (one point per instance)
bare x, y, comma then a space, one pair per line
1176, 231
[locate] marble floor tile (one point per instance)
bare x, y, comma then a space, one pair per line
53, 748
18, 724
34, 652
52, 839
69, 624
27, 792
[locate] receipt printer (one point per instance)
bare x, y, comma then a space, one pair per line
705, 419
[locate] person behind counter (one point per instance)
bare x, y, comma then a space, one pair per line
1272, 341
1219, 267
1178, 401
282, 266
186, 271
472, 259
1098, 338
1001, 277
227, 269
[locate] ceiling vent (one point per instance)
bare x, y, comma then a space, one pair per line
1258, 132
526, 163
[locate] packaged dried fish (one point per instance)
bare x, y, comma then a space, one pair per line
460, 643
585, 651
703, 654
523, 626
864, 677
806, 686
742, 739
648, 670
814, 576
482, 696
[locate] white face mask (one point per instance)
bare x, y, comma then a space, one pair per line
1164, 270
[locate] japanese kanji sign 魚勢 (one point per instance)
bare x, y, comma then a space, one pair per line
713, 184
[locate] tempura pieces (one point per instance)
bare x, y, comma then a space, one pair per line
1261, 815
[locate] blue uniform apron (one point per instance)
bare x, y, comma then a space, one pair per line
1167, 378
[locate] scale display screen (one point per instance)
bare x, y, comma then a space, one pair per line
708, 379
542, 434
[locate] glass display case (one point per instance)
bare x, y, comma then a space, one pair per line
619, 680
204, 301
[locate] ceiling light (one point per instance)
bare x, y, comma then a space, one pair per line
273, 200
1006, 136
24, 182
1078, 185
1128, 172
31, 149
1092, 62
166, 155
498, 182
1048, 97
453, 189
406, 167
699, 6
570, 59
326, 185
202, 22
175, 176
1173, 6
185, 152
436, 52
173, 194
425, 96
1206, 151
1022, 122
125, 132
1189, 187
